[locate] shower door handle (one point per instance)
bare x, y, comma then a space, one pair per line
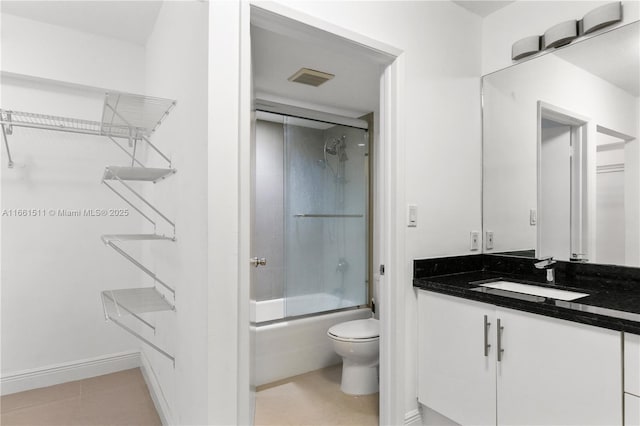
255, 261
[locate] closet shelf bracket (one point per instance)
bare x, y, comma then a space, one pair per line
111, 240
7, 130
135, 302
122, 175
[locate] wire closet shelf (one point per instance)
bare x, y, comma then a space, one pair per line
124, 116
134, 118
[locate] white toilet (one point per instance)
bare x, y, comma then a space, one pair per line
357, 342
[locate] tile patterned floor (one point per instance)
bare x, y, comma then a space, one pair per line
120, 398
313, 399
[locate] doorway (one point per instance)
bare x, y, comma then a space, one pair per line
389, 70
562, 184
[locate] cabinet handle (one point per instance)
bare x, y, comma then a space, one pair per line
487, 324
499, 335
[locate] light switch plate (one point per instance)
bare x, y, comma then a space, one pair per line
412, 215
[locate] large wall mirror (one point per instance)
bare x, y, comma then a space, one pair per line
561, 153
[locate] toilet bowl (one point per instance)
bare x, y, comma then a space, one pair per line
357, 342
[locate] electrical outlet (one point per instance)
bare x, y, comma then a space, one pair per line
489, 240
475, 240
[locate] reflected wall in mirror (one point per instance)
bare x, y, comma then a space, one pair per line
561, 154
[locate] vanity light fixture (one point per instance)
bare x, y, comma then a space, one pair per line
565, 32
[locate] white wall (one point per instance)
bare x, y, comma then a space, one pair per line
53, 268
176, 68
43, 50
526, 18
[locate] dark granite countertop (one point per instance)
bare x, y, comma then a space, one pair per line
613, 301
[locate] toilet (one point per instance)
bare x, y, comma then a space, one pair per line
357, 342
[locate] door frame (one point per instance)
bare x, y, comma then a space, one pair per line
389, 191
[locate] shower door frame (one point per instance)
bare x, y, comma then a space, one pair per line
388, 168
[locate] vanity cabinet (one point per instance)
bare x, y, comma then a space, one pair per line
455, 378
631, 410
631, 379
549, 371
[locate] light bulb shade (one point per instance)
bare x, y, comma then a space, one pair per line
525, 47
601, 17
560, 34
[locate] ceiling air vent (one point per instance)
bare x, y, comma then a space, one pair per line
311, 77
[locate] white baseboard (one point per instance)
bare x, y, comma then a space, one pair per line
67, 372
413, 417
159, 400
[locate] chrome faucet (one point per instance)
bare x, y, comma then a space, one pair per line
547, 263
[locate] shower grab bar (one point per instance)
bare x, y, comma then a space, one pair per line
326, 215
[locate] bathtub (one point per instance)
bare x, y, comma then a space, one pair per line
295, 346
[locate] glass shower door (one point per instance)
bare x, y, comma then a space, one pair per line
325, 217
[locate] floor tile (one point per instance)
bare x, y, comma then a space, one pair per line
39, 396
112, 381
116, 399
313, 399
49, 414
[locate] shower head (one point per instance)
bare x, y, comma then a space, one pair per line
332, 150
337, 146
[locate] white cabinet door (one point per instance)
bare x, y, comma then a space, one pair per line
556, 372
631, 410
455, 378
632, 363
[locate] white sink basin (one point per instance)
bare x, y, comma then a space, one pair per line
535, 290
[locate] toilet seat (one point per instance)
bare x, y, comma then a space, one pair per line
365, 330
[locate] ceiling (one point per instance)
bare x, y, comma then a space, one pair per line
613, 56
130, 21
276, 57
483, 8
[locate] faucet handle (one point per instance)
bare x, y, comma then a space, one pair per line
545, 262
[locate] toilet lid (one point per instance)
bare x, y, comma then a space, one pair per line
358, 329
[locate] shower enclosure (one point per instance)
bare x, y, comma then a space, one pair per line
312, 184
